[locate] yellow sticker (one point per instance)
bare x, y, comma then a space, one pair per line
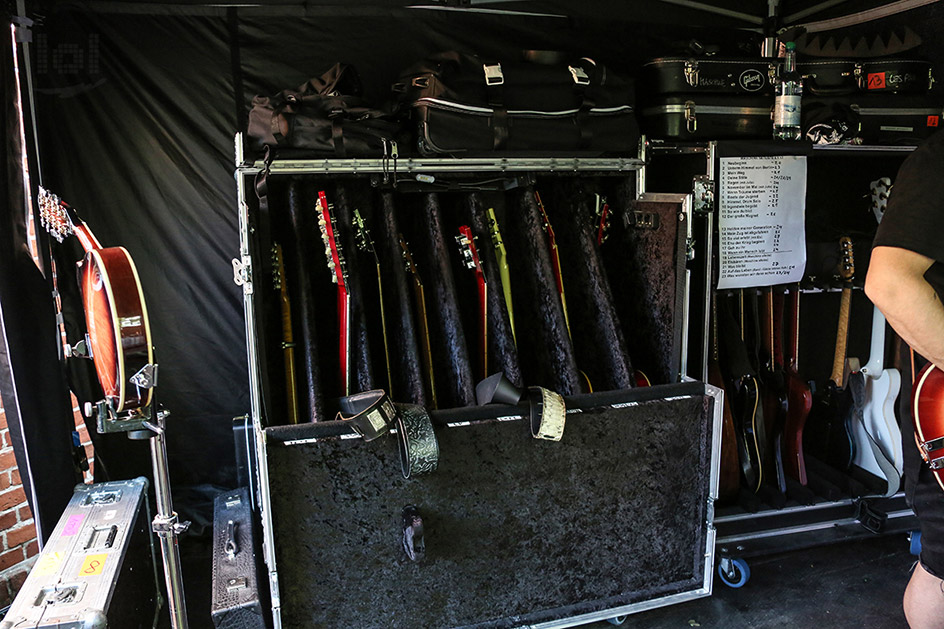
48, 563
93, 564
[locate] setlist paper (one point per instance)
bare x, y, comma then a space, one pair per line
761, 225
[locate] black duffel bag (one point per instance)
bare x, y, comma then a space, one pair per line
462, 104
328, 114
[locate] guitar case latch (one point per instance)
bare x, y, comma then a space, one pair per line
642, 220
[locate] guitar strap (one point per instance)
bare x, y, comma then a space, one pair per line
856, 384
371, 414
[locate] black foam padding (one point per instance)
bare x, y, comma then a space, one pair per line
599, 345
407, 385
502, 351
544, 346
362, 367
518, 531
454, 381
650, 267
305, 269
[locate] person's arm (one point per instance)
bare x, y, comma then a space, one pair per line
895, 283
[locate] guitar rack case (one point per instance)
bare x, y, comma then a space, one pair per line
494, 527
833, 505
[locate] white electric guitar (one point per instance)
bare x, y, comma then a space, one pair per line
881, 437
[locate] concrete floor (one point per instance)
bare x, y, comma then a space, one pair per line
851, 585
848, 585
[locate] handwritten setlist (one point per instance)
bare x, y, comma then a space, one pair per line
762, 202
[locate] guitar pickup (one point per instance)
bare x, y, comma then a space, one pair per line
643, 220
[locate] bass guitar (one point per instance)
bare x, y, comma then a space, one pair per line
774, 385
470, 257
419, 297
328, 225
728, 477
827, 436
119, 336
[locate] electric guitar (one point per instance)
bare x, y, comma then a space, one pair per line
774, 385
878, 437
419, 295
119, 336
502, 257
288, 338
799, 397
729, 479
826, 435
328, 225
365, 243
587, 387
470, 257
927, 407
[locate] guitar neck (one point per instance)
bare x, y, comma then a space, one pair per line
344, 341
483, 322
877, 348
842, 335
288, 340
793, 330
426, 352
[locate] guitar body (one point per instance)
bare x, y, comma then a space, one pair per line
927, 407
116, 316
729, 479
882, 393
799, 404
826, 436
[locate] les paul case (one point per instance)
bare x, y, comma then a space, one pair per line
713, 75
707, 117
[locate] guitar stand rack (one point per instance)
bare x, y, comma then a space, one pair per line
148, 422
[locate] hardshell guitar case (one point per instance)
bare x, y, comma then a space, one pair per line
712, 75
462, 105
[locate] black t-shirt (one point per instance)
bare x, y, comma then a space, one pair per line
914, 218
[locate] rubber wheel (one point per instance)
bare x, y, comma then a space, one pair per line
915, 538
734, 572
616, 620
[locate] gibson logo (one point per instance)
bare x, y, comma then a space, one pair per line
751, 80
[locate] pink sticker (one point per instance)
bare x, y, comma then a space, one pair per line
73, 524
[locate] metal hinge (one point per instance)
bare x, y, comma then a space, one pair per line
241, 274
703, 194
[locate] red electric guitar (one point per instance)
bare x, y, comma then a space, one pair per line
336, 264
470, 257
799, 397
927, 407
119, 336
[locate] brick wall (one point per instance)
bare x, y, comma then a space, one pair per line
18, 545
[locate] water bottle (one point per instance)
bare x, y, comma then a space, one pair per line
788, 91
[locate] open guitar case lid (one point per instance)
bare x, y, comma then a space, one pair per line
612, 519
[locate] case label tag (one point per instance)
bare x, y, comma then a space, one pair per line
93, 565
876, 81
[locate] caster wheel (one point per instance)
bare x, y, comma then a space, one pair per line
616, 620
734, 572
915, 538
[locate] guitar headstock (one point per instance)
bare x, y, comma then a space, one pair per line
278, 266
601, 218
470, 255
880, 189
54, 215
362, 234
407, 256
847, 264
546, 222
494, 231
328, 225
